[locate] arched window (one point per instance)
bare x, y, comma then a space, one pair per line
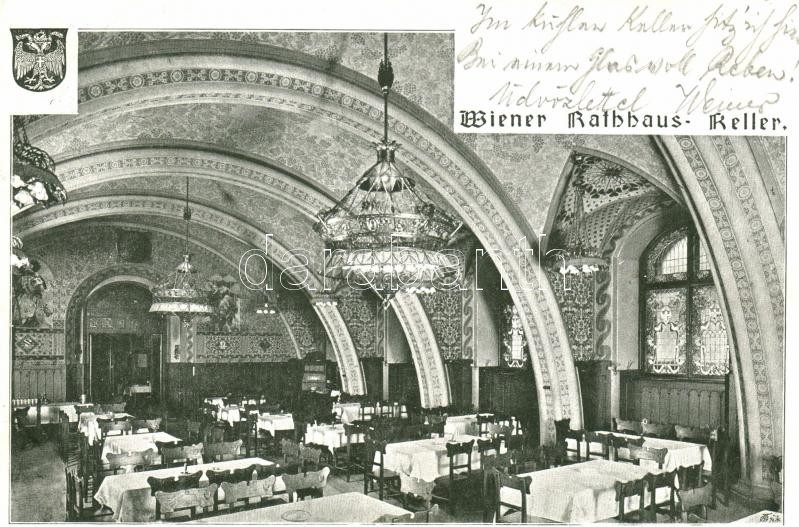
683, 329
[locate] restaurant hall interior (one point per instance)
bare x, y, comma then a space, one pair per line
612, 348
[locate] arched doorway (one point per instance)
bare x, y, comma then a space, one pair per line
124, 343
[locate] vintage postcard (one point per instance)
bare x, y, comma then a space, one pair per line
462, 262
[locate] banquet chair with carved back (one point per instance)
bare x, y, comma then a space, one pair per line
225, 451
248, 491
563, 432
174, 483
78, 507
290, 450
129, 462
632, 489
375, 472
663, 480
638, 453
309, 457
604, 442
306, 484
186, 500
694, 492
185, 454
216, 432
692, 434
619, 443
354, 434
490, 464
483, 424
515, 483
658, 430
456, 484
139, 426
626, 426
154, 425
111, 428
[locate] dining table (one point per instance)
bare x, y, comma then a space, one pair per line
426, 459
351, 507
332, 436
581, 492
125, 444
88, 424
680, 453
274, 422
128, 495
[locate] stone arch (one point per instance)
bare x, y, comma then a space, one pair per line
259, 74
729, 201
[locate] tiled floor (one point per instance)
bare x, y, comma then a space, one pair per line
37, 490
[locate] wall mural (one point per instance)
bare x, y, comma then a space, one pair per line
576, 297
445, 311
359, 311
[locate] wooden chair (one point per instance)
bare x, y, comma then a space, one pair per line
290, 450
631, 489
520, 484
563, 432
621, 442
692, 434
484, 446
139, 426
308, 484
691, 499
154, 425
504, 463
130, 462
188, 454
594, 438
190, 500
375, 471
637, 453
264, 471
667, 480
193, 431
661, 430
248, 490
309, 457
77, 510
222, 451
456, 484
549, 456
215, 433
355, 448
115, 429
623, 426
173, 484
483, 423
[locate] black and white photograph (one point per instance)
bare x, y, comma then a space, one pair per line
281, 276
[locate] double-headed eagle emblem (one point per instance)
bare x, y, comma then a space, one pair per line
39, 58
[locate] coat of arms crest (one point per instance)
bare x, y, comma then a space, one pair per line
39, 62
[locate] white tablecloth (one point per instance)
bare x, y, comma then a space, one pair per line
425, 459
680, 453
216, 401
331, 436
231, 414
580, 493
273, 422
128, 495
352, 507
347, 412
461, 425
134, 443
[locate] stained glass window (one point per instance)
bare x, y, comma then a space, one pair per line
683, 329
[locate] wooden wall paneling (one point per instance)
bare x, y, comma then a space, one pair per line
403, 384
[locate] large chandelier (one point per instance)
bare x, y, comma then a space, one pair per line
34, 181
183, 293
579, 257
385, 234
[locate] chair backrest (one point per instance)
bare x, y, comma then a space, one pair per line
182, 454
695, 497
456, 449
289, 448
623, 426
692, 434
264, 471
248, 489
183, 481
520, 484
637, 453
308, 480
487, 445
661, 430
186, 499
154, 425
604, 440
224, 451
129, 462
309, 456
667, 480
372, 449
139, 426
215, 433
629, 489
691, 477
112, 428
